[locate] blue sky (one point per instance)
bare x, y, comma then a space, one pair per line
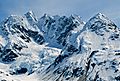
84, 8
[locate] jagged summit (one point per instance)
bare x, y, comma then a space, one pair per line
100, 15
57, 29
100, 24
59, 48
30, 15
30, 12
86, 54
77, 17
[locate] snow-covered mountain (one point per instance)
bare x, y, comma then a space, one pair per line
55, 48
56, 30
94, 58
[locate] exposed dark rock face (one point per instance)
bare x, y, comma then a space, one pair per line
7, 55
17, 32
88, 63
61, 48
56, 29
21, 71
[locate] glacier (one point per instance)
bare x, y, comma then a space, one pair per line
59, 48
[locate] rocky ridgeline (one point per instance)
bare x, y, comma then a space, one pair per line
60, 48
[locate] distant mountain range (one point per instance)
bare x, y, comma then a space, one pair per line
59, 48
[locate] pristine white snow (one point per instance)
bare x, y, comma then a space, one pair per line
96, 59
71, 50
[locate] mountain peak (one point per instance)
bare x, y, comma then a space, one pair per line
100, 23
31, 16
77, 18
45, 15
100, 14
30, 12
60, 48
102, 17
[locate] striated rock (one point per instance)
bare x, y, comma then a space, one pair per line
59, 48
94, 57
57, 30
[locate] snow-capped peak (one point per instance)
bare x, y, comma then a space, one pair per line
60, 48
31, 16
100, 24
78, 18
90, 54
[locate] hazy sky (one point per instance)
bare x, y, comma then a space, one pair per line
84, 8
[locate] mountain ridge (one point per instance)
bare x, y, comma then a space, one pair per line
60, 48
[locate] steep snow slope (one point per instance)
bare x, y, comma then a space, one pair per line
22, 47
95, 59
56, 29
55, 48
